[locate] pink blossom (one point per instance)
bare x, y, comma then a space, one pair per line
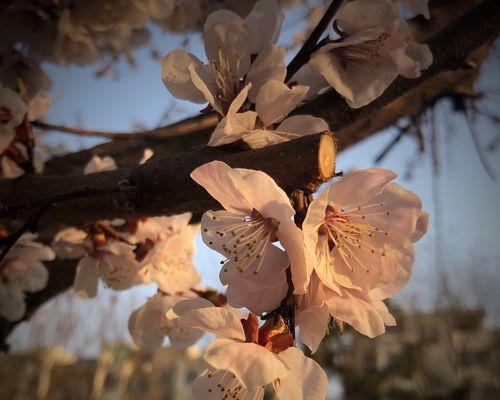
149, 324
245, 231
370, 53
108, 258
22, 271
168, 243
267, 125
244, 359
239, 51
361, 231
100, 164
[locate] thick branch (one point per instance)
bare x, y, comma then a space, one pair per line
164, 186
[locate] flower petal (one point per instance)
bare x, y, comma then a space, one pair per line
225, 185
291, 128
421, 227
6, 137
313, 326
120, 271
303, 125
358, 81
270, 265
222, 322
366, 316
346, 191
147, 324
186, 305
308, 76
301, 263
170, 262
269, 65
233, 127
265, 20
203, 81
177, 77
249, 293
417, 58
392, 283
233, 41
12, 305
28, 275
253, 365
68, 243
98, 164
12, 101
152, 228
39, 105
222, 385
364, 14
307, 380
276, 100
86, 278
10, 169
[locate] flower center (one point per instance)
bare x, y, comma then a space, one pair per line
247, 239
366, 51
348, 234
226, 383
226, 79
273, 335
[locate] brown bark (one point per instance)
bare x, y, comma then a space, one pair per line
164, 186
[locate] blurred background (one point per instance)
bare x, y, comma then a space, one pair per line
447, 342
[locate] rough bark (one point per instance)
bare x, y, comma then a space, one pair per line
164, 187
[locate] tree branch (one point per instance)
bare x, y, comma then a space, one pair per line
164, 186
30, 225
85, 132
308, 48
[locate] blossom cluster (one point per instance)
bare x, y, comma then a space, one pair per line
353, 250
17, 151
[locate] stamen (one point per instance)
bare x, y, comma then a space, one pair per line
244, 240
346, 234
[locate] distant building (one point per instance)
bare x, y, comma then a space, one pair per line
442, 355
121, 373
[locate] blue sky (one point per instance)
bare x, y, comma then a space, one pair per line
468, 227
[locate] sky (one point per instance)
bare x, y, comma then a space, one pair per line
463, 202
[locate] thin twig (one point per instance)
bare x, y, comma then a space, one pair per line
309, 46
477, 145
86, 132
30, 224
402, 131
